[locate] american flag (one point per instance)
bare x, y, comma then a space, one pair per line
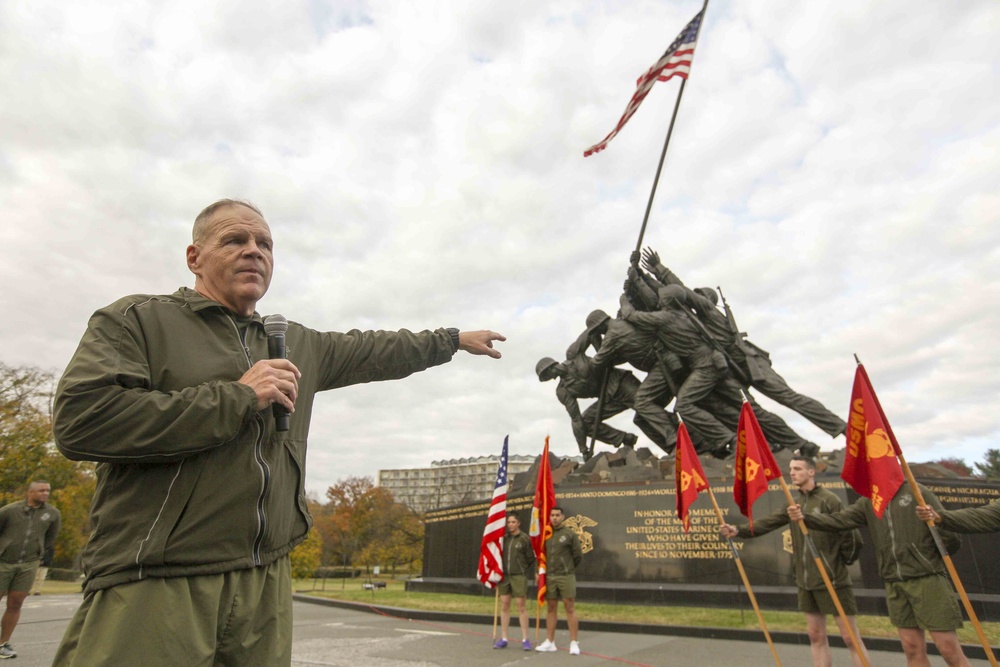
491, 551
675, 62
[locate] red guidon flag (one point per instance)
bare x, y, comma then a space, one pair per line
541, 527
755, 465
870, 464
688, 474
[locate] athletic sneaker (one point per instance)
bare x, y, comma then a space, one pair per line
526, 645
546, 647
574, 648
7, 652
501, 643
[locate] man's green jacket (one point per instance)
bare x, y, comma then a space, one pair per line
192, 478
830, 546
903, 543
26, 531
563, 552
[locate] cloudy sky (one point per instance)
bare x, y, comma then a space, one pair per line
421, 165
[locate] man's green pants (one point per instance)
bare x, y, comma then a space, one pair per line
236, 619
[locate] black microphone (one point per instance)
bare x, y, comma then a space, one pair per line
275, 327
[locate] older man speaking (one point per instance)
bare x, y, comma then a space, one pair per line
199, 497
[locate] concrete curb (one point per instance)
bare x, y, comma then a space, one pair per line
973, 651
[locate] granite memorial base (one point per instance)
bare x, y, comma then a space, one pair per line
636, 550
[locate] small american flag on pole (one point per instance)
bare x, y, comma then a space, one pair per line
491, 551
675, 62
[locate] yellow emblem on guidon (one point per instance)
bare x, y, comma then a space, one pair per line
687, 478
877, 444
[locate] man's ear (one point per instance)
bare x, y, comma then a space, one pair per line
193, 255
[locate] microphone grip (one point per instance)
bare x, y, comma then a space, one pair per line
276, 350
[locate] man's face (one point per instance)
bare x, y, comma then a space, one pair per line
556, 517
233, 263
38, 494
552, 372
513, 525
800, 472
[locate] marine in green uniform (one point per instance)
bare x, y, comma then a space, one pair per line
518, 559
27, 528
834, 550
563, 553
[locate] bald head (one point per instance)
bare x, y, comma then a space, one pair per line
202, 223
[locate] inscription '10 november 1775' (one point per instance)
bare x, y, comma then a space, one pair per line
659, 535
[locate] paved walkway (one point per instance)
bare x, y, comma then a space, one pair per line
333, 637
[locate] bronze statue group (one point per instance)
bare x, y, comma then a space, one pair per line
691, 352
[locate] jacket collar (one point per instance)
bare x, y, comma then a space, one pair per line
196, 302
25, 507
812, 491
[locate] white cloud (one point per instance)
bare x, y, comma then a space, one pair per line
833, 169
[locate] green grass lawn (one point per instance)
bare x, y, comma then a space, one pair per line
395, 595
52, 587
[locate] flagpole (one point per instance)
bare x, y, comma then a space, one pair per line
496, 609
645, 220
538, 619
935, 533
638, 243
666, 143
746, 580
538, 616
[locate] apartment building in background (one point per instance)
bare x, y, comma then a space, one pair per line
451, 482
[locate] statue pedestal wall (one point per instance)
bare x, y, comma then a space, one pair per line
636, 550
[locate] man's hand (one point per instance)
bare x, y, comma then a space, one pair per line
727, 530
633, 259
274, 381
480, 342
795, 512
650, 260
927, 513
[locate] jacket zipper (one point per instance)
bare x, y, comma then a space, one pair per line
892, 539
265, 470
27, 535
805, 547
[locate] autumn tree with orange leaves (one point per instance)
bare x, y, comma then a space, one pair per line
362, 525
